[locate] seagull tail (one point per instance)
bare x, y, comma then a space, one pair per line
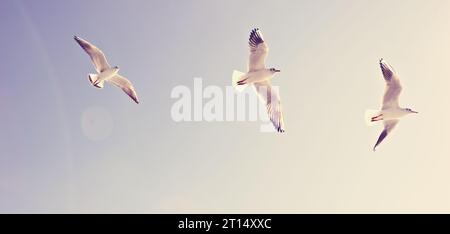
372, 117
237, 76
93, 78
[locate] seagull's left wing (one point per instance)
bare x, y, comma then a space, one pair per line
388, 126
393, 86
125, 85
271, 99
97, 56
258, 51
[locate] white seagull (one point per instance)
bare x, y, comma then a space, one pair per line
259, 77
390, 112
105, 71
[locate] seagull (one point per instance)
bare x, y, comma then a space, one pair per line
390, 112
105, 71
259, 77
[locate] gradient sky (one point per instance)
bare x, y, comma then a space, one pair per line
68, 147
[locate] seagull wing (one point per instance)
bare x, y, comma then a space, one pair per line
388, 126
97, 56
258, 51
125, 85
271, 99
393, 86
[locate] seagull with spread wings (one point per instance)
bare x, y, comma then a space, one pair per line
259, 77
105, 71
390, 112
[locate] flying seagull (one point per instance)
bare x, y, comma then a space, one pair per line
259, 77
105, 71
390, 112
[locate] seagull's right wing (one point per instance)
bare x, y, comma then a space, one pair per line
125, 85
97, 56
271, 99
393, 86
388, 126
258, 51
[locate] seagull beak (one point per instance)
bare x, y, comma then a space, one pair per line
277, 70
415, 112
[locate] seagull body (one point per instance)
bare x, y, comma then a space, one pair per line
255, 76
104, 71
98, 80
390, 112
259, 77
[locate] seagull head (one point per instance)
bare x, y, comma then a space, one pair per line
274, 70
411, 111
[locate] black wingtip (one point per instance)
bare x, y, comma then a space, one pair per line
375, 147
77, 39
254, 31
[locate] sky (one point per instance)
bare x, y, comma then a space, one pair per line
67, 147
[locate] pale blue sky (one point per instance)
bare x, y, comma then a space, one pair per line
328, 52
